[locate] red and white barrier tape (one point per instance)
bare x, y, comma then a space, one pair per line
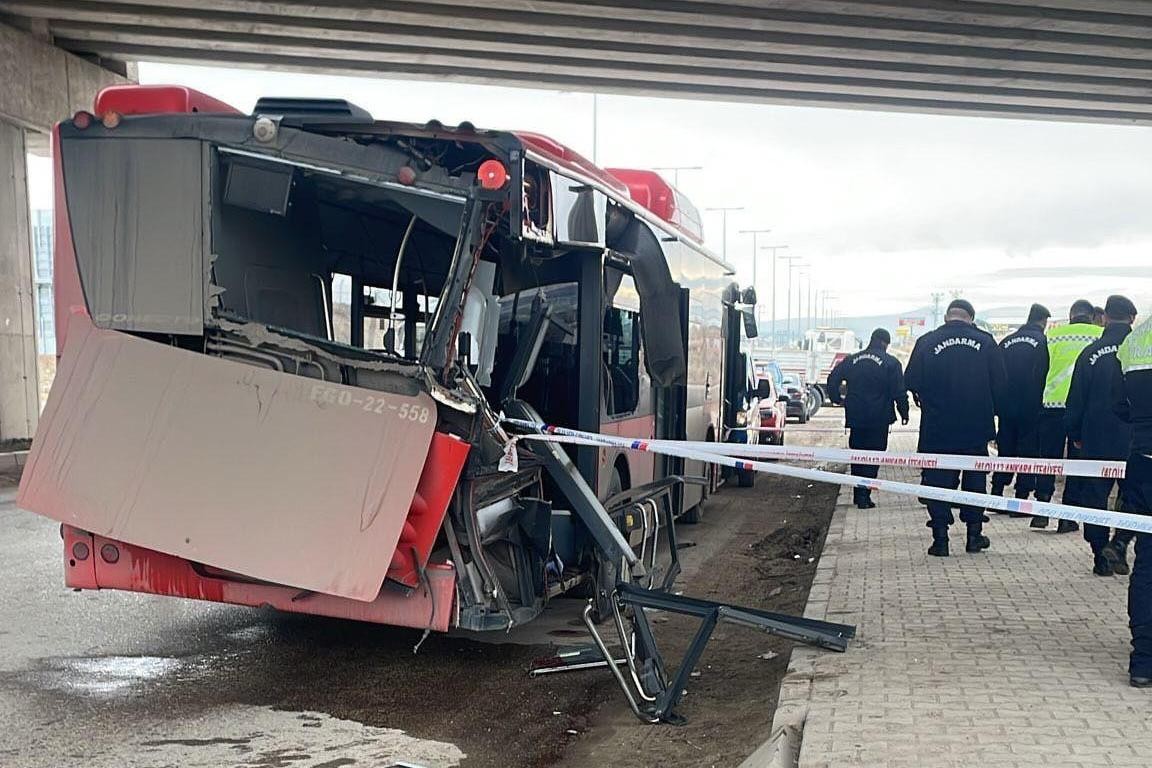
1125, 520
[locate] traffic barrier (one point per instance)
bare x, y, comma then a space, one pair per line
1124, 520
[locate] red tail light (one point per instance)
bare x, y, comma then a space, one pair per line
492, 174
82, 119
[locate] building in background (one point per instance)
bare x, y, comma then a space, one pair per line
42, 279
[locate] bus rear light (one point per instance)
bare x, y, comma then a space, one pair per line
110, 119
110, 553
80, 551
492, 174
406, 176
82, 119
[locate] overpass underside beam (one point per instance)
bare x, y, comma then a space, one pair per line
1063, 59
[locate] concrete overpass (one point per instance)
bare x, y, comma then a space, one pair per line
1088, 60
1064, 59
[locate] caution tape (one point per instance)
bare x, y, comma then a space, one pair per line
1070, 467
1124, 520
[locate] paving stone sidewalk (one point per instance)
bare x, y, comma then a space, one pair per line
1015, 657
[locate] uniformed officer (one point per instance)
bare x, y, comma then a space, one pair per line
1134, 405
957, 374
1064, 345
1026, 362
1097, 432
875, 382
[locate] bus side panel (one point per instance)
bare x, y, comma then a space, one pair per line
704, 280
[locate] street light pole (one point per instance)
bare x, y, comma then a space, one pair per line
755, 253
791, 265
774, 248
724, 226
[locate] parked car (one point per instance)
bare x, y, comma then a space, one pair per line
803, 399
773, 411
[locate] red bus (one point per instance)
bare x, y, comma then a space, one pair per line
288, 338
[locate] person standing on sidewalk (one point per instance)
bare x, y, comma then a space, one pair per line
875, 383
1026, 362
957, 374
1097, 432
1134, 405
1064, 345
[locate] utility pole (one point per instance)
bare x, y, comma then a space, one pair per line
755, 256
724, 226
774, 248
675, 169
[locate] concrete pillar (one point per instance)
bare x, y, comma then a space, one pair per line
39, 85
19, 395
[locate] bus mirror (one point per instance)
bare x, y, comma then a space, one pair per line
731, 294
764, 389
749, 297
750, 329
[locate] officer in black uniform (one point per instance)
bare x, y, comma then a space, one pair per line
1134, 406
957, 374
1026, 363
875, 382
1098, 432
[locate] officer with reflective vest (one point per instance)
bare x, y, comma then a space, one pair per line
1134, 405
1097, 432
957, 374
1064, 345
875, 384
1026, 362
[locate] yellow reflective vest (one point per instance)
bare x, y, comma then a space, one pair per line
1135, 354
1065, 344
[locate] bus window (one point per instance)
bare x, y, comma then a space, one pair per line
621, 350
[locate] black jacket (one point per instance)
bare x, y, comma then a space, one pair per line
1026, 363
875, 384
1090, 418
957, 374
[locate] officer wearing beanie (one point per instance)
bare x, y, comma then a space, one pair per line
1097, 432
875, 383
1026, 362
1065, 344
957, 374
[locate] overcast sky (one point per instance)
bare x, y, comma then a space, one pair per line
887, 208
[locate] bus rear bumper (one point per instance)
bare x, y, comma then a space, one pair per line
95, 562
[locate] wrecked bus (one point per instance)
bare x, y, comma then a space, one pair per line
288, 340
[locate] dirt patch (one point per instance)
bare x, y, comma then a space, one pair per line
775, 536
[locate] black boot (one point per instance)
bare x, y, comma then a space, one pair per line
1101, 566
864, 501
1067, 526
1116, 553
939, 546
977, 541
1038, 521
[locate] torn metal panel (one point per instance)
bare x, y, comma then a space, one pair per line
227, 464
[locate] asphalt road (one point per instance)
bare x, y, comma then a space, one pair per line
109, 679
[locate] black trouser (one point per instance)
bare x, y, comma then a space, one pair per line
1054, 444
1137, 498
940, 512
866, 439
1093, 492
1017, 439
